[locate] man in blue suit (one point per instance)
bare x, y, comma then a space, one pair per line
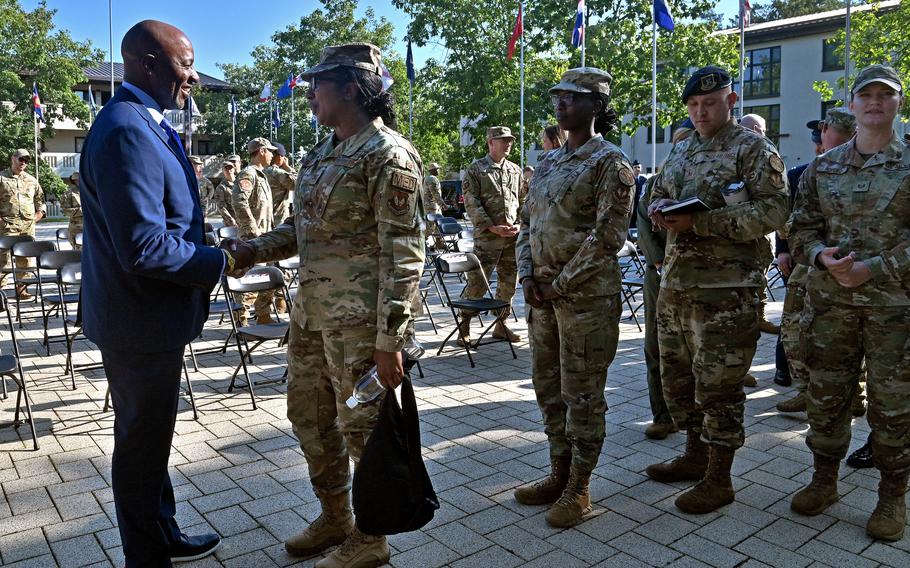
146, 281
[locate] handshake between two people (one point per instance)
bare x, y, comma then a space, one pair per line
243, 254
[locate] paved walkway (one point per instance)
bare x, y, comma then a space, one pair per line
241, 473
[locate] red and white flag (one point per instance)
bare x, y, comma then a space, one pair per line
516, 33
747, 13
266, 93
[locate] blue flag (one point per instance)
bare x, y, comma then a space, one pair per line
276, 117
285, 90
662, 15
409, 62
36, 103
314, 124
578, 32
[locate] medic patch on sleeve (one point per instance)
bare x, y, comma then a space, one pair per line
404, 181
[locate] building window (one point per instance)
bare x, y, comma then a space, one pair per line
204, 147
80, 140
661, 134
832, 55
771, 114
761, 77
826, 105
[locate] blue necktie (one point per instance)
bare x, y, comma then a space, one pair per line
173, 138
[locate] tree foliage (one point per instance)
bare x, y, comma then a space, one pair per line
781, 9
876, 36
33, 50
477, 84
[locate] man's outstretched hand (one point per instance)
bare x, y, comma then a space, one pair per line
244, 255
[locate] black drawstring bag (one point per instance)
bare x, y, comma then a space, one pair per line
392, 492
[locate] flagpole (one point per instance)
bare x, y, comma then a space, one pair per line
411, 110
233, 125
847, 57
653, 92
292, 126
521, 63
742, 55
110, 37
584, 35
37, 159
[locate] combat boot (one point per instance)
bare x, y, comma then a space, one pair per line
549, 489
821, 492
890, 516
795, 404
265, 319
573, 504
464, 337
690, 466
329, 529
358, 551
749, 380
22, 292
716, 489
281, 306
500, 331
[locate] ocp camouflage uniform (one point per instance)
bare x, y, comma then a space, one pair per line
493, 195
206, 193
71, 204
251, 198
860, 206
432, 201
223, 200
713, 275
574, 222
359, 235
282, 182
21, 198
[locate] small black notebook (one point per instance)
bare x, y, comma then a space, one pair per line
691, 205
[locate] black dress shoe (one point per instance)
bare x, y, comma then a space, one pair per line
194, 547
861, 458
782, 379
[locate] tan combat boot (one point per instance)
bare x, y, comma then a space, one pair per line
749, 380
330, 528
22, 292
690, 466
281, 305
715, 490
500, 331
660, 430
821, 492
795, 404
265, 319
358, 551
548, 489
573, 504
465, 333
890, 516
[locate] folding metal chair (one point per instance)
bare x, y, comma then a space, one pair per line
630, 260
630, 287
259, 279
450, 231
773, 275
31, 251
461, 263
291, 269
6, 245
227, 233
11, 366
62, 236
51, 262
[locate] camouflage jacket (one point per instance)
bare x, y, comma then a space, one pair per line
21, 197
860, 206
282, 182
71, 204
359, 235
206, 192
252, 201
726, 248
224, 205
493, 195
576, 219
432, 195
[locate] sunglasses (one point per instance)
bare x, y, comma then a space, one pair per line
25, 159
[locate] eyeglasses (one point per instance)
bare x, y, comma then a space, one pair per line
567, 97
314, 81
25, 159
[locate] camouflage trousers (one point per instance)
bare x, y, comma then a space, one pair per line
837, 339
573, 343
498, 255
6, 255
282, 211
790, 333
433, 231
707, 341
323, 367
261, 302
73, 229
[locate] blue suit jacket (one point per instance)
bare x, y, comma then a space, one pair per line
146, 276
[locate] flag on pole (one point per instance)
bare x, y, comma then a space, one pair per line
266, 93
578, 32
91, 103
276, 116
285, 90
662, 15
297, 80
387, 79
314, 124
409, 64
517, 32
232, 107
36, 103
747, 14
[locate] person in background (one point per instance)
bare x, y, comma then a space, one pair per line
206, 189
71, 205
21, 207
552, 137
223, 198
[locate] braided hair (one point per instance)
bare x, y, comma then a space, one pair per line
606, 118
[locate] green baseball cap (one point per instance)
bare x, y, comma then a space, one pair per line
584, 80
884, 74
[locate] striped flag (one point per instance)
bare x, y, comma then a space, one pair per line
517, 32
578, 32
747, 14
266, 93
36, 103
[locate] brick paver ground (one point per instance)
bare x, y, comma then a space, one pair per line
240, 472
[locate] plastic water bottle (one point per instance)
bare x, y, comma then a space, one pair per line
369, 387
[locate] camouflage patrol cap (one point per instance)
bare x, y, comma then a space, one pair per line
433, 166
357, 55
877, 74
21, 153
196, 160
840, 117
233, 158
257, 144
227, 164
495, 132
584, 80
705, 81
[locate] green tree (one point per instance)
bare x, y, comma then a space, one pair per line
33, 50
876, 36
477, 83
780, 9
291, 51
